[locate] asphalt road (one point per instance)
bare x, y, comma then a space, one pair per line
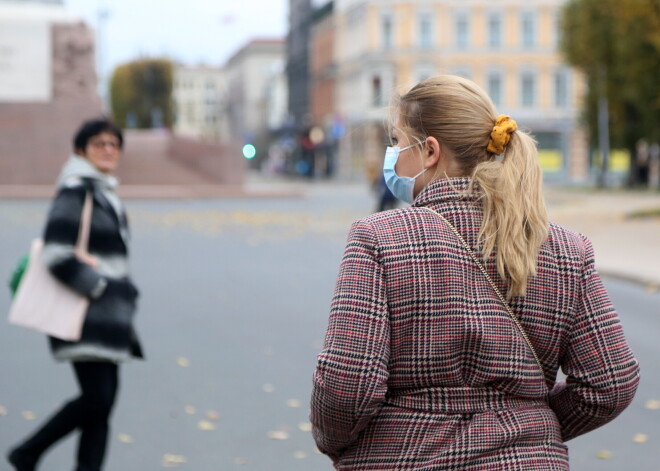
234, 304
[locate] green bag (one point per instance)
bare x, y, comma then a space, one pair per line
19, 271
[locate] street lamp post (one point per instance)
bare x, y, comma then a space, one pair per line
103, 13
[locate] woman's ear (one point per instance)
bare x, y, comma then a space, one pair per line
432, 152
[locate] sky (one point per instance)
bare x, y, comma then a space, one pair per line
190, 31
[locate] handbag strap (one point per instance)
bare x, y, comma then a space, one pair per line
82, 244
497, 291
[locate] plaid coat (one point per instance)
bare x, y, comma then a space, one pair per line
423, 369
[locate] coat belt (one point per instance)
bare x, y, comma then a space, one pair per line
460, 400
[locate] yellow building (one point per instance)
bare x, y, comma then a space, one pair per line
508, 47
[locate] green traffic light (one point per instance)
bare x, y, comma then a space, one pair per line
249, 151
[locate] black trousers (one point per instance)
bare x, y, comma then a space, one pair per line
89, 412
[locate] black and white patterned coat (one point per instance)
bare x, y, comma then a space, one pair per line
108, 332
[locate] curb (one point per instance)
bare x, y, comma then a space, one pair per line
32, 192
653, 286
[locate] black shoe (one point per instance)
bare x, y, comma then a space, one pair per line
22, 461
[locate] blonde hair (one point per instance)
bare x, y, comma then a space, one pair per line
461, 117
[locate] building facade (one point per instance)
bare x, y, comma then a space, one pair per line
254, 99
198, 94
298, 59
510, 49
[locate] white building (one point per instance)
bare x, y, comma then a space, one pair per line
256, 97
198, 94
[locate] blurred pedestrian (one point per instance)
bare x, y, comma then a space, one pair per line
386, 199
451, 318
108, 337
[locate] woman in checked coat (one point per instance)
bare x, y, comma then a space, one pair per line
424, 367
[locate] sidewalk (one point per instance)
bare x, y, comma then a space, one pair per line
625, 247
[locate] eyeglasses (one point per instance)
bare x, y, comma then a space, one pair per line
104, 144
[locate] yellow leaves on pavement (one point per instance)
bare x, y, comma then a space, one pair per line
205, 425
183, 362
3, 411
190, 410
28, 415
172, 461
212, 415
605, 455
300, 455
293, 403
640, 438
124, 438
653, 404
278, 435
305, 426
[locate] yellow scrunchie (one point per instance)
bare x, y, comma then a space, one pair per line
501, 134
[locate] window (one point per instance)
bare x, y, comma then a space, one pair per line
528, 89
425, 30
387, 27
423, 72
495, 87
561, 88
464, 72
495, 30
557, 28
528, 28
376, 91
462, 25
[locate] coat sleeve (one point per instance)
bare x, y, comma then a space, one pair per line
350, 380
60, 238
602, 373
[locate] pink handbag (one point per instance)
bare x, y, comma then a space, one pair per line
42, 302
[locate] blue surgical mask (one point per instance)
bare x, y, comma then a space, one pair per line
401, 187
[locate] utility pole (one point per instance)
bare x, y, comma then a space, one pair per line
603, 129
103, 13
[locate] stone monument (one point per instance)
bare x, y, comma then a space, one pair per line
47, 87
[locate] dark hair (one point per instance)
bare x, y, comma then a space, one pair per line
92, 128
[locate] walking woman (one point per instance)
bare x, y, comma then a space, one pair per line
108, 337
451, 318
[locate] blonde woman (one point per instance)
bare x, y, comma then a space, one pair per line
451, 318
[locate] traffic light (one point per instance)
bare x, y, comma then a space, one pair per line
249, 151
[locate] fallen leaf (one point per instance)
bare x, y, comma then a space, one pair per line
293, 403
171, 461
300, 455
653, 404
605, 455
183, 362
241, 461
29, 415
652, 288
213, 415
205, 425
124, 438
305, 426
3, 410
190, 410
640, 438
269, 388
278, 435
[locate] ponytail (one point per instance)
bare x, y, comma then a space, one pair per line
460, 115
515, 222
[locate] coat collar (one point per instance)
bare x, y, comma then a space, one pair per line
444, 190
